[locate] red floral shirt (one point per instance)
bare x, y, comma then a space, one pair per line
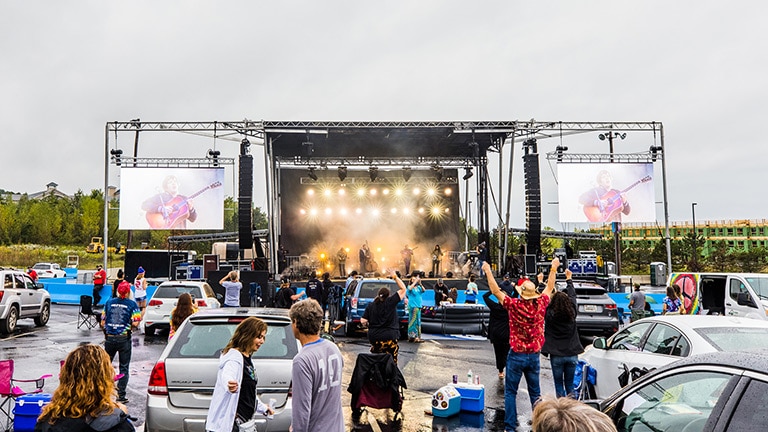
526, 323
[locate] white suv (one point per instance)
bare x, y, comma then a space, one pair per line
20, 298
158, 313
48, 270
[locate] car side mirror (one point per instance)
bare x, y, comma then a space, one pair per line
593, 403
600, 343
39, 286
744, 299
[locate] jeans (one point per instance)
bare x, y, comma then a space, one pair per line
120, 345
519, 364
563, 369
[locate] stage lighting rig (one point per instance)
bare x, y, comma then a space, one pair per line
468, 173
244, 145
559, 150
438, 172
312, 174
530, 146
373, 172
407, 173
214, 155
116, 155
655, 150
342, 171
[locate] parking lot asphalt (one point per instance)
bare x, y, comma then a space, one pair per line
426, 367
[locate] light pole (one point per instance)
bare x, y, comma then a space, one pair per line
693, 215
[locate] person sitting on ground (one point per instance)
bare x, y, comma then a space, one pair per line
569, 415
470, 294
76, 406
184, 308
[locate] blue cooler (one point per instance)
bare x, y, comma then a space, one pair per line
28, 408
446, 402
472, 397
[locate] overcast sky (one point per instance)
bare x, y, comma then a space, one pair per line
700, 68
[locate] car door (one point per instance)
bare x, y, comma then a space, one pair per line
31, 297
609, 362
735, 287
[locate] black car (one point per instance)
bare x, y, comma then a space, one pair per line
598, 314
721, 391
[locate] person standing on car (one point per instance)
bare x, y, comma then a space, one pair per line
232, 287
234, 399
561, 338
99, 279
498, 331
120, 316
316, 374
79, 407
637, 304
526, 337
381, 318
414, 294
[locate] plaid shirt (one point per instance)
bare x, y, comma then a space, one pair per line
526, 323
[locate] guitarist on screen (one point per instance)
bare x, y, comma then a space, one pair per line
170, 209
603, 203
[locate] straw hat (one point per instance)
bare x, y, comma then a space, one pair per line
527, 289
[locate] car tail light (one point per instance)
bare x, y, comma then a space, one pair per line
611, 306
154, 302
2, 293
202, 303
158, 383
353, 304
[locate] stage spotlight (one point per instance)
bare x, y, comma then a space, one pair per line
327, 192
342, 191
310, 192
393, 210
311, 173
328, 211
342, 173
467, 173
373, 172
361, 192
214, 155
309, 148
116, 154
407, 173
373, 192
559, 150
385, 191
448, 191
302, 211
416, 191
654, 152
359, 210
431, 192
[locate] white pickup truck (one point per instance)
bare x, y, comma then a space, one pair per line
20, 297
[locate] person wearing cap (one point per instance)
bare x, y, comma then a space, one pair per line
507, 287
32, 274
99, 278
441, 292
526, 338
120, 316
140, 289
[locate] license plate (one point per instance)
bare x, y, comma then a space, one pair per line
590, 308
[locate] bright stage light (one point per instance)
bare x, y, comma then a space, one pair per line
393, 211
431, 192
375, 212
385, 191
342, 191
327, 192
435, 211
310, 192
361, 192
328, 211
302, 211
447, 210
416, 191
448, 191
359, 211
398, 192
313, 211
421, 210
343, 212
406, 211
322, 256
373, 192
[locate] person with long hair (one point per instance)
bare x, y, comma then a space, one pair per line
140, 290
414, 294
498, 331
381, 318
437, 258
85, 397
672, 304
184, 308
120, 278
234, 398
561, 339
569, 415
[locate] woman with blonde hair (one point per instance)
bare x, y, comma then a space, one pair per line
140, 290
569, 415
184, 308
85, 397
234, 398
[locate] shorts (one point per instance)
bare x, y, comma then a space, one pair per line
141, 299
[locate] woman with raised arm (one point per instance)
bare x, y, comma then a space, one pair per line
381, 318
561, 339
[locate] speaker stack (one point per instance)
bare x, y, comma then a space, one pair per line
532, 201
245, 202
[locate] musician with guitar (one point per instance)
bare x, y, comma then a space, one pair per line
603, 203
170, 210
407, 254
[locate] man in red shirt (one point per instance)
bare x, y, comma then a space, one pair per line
526, 337
99, 279
32, 274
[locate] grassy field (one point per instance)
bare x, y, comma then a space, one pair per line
21, 256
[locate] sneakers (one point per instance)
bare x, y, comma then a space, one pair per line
122, 399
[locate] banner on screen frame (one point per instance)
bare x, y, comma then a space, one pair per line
606, 192
171, 198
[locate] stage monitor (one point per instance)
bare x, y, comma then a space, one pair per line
171, 198
606, 192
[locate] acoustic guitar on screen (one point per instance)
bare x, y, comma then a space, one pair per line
178, 209
609, 204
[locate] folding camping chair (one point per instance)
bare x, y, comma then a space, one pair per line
9, 391
376, 383
87, 316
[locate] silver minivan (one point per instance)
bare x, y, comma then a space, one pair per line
181, 384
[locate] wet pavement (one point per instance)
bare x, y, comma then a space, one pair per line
426, 367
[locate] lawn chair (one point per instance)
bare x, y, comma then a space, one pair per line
9, 391
87, 316
376, 383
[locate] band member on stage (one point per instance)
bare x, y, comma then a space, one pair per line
407, 254
610, 202
169, 206
341, 256
437, 257
363, 257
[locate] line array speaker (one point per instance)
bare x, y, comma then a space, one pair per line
532, 201
245, 202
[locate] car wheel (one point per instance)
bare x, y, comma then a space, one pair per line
42, 319
349, 328
149, 331
9, 324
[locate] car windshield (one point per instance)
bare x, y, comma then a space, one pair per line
760, 285
206, 339
371, 289
735, 338
41, 266
174, 291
